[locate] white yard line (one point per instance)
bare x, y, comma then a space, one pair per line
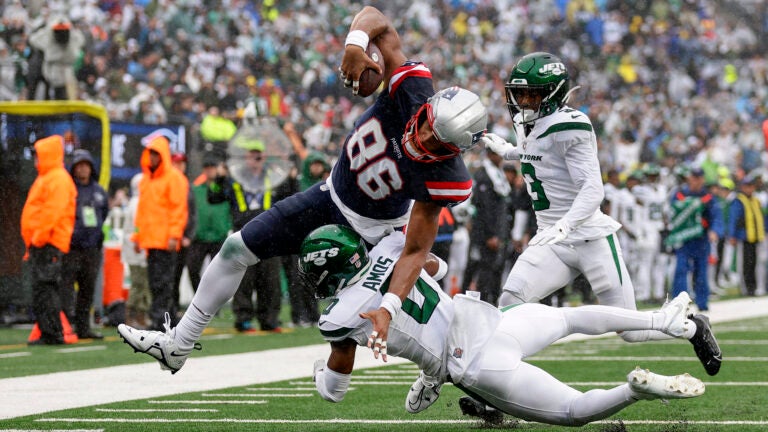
151, 410
641, 359
380, 422
51, 430
57, 391
362, 383
260, 395
210, 402
51, 392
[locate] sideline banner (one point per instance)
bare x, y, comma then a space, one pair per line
128, 141
83, 125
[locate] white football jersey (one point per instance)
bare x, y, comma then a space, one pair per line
558, 160
615, 196
629, 211
419, 331
653, 199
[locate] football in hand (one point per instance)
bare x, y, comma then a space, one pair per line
370, 80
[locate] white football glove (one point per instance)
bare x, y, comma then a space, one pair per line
499, 145
554, 234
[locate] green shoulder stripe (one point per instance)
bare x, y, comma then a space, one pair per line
506, 308
567, 126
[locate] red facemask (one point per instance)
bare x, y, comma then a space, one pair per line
415, 149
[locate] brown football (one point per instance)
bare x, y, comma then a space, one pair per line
370, 79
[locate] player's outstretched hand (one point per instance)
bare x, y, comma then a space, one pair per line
554, 234
377, 341
499, 145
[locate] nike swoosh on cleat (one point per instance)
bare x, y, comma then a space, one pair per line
413, 403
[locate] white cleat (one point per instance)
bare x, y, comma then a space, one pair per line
423, 393
648, 385
676, 315
160, 345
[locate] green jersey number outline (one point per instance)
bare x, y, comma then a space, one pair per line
421, 314
535, 188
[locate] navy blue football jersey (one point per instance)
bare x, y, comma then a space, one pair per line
373, 176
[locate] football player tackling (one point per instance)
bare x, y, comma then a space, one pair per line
468, 342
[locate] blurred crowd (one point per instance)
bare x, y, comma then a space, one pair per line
672, 83
664, 81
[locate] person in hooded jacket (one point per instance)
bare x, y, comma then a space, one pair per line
314, 169
83, 262
140, 298
47, 222
161, 217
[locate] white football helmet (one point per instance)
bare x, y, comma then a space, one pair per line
458, 120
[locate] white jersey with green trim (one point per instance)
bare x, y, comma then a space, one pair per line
419, 332
558, 160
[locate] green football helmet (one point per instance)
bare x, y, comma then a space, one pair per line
540, 74
332, 257
651, 169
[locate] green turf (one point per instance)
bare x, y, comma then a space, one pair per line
219, 338
380, 407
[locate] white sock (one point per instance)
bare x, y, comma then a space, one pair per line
598, 404
631, 325
191, 326
597, 319
218, 284
690, 329
658, 324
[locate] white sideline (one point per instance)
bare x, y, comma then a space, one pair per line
64, 390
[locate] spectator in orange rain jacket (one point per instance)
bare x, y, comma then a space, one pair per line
47, 222
160, 220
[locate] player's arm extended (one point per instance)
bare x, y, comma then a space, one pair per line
500, 146
422, 230
332, 377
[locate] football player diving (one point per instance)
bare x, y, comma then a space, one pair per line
399, 165
468, 342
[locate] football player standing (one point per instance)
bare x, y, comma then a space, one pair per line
557, 150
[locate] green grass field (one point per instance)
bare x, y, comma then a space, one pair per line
735, 400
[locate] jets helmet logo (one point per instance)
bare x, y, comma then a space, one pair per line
320, 257
552, 68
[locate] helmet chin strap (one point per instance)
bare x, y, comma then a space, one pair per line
529, 115
568, 95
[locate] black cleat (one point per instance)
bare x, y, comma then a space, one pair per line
705, 345
473, 408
